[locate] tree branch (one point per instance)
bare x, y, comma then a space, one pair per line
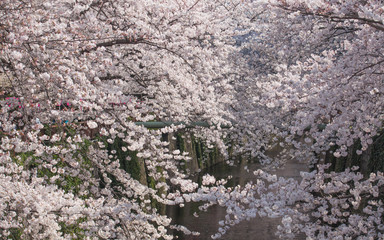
123, 41
353, 16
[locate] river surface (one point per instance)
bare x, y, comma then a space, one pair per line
207, 222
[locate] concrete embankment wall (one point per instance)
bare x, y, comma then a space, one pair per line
201, 156
371, 160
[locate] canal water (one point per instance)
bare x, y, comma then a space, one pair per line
207, 222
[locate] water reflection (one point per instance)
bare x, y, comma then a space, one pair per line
207, 222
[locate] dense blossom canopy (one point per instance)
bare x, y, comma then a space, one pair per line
82, 72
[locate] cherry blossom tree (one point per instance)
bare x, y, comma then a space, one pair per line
338, 87
317, 84
77, 71
322, 206
81, 72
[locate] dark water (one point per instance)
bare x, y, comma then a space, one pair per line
207, 222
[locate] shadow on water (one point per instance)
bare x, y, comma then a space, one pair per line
207, 222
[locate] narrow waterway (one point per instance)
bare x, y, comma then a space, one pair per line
207, 222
